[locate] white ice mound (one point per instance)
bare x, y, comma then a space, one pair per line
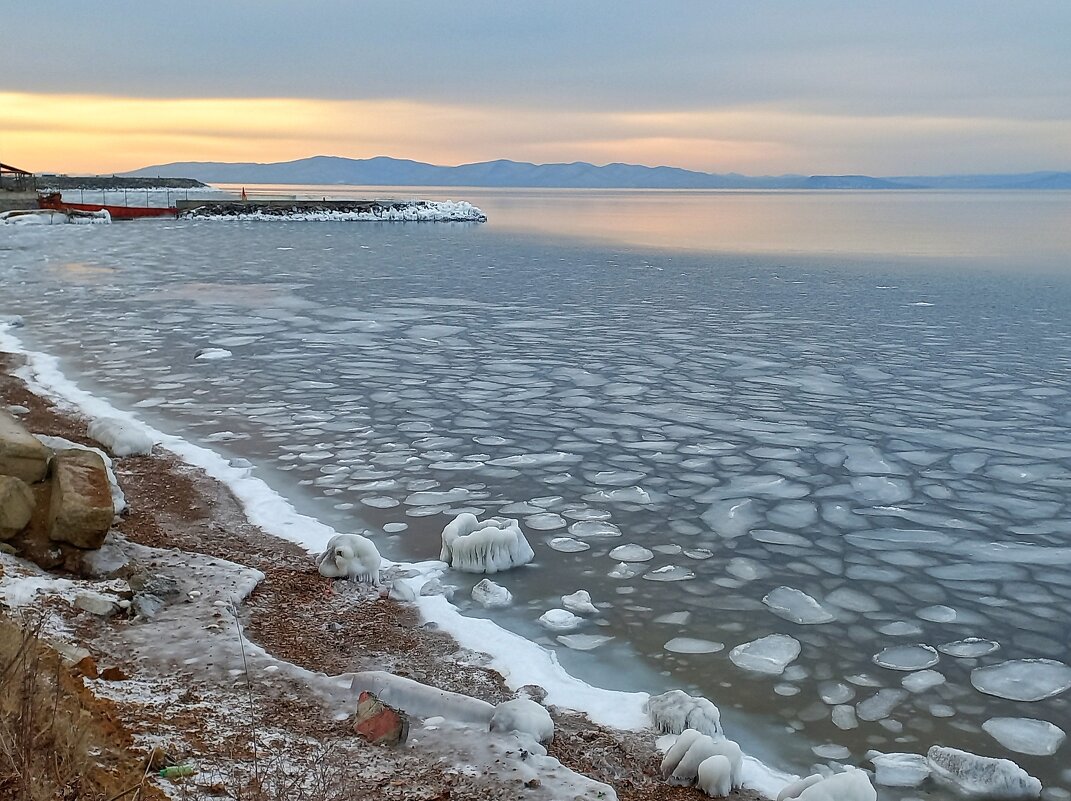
852, 785
491, 595
631, 553
797, 606
715, 776
981, 777
488, 547
580, 603
559, 620
119, 437
1023, 679
1026, 735
675, 711
525, 716
793, 789
350, 556
899, 770
770, 654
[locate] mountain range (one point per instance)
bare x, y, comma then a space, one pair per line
386, 171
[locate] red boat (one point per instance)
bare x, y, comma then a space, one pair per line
54, 201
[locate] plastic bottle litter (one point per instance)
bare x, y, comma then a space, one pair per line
177, 771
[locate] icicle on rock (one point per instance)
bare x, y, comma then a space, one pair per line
488, 547
681, 765
119, 437
715, 776
525, 716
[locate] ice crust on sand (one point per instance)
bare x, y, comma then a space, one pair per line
770, 654
1023, 679
981, 777
488, 547
1026, 735
674, 711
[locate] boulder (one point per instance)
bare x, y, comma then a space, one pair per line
21, 455
379, 723
16, 506
81, 511
97, 604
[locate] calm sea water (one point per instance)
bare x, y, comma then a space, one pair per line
840, 418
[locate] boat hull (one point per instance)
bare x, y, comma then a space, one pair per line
56, 203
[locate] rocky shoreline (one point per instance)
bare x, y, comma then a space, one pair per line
240, 668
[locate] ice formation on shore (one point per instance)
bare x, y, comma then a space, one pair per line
488, 547
350, 556
120, 437
525, 716
675, 711
851, 785
715, 776
414, 211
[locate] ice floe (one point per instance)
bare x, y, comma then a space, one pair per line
770, 654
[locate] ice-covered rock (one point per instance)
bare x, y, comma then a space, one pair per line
1026, 735
715, 776
350, 556
525, 716
797, 606
559, 620
680, 766
770, 654
580, 603
981, 777
490, 595
120, 437
899, 770
488, 547
675, 711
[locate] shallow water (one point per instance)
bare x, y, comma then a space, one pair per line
869, 454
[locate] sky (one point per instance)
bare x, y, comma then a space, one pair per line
753, 86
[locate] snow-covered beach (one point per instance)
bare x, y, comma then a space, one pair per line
809, 519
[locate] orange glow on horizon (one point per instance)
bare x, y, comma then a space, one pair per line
103, 134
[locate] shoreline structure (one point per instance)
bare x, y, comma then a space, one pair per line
514, 661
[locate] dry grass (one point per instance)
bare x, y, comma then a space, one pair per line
44, 736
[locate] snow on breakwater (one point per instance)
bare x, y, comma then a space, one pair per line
338, 211
519, 660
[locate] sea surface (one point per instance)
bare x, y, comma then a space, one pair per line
835, 423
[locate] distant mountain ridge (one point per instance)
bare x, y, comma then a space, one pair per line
386, 171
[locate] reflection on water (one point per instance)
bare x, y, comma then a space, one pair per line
991, 227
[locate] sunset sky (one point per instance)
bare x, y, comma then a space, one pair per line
755, 87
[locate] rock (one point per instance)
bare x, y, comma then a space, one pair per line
114, 673
436, 587
16, 506
159, 584
379, 723
82, 510
21, 455
97, 604
491, 595
147, 605
8, 549
981, 777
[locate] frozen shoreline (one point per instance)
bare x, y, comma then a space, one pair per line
518, 660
